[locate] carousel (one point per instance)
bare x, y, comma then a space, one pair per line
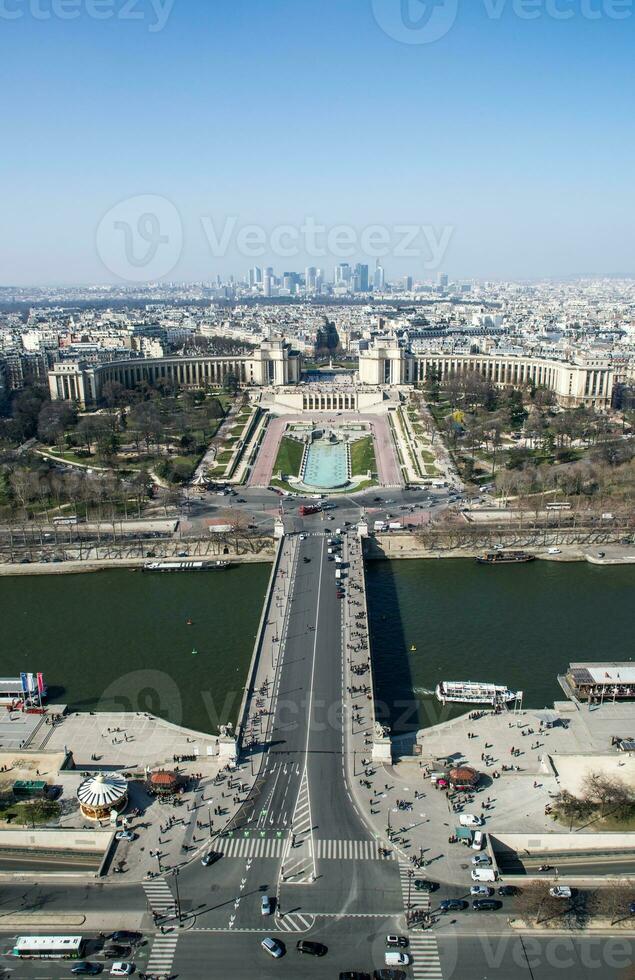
463, 777
99, 795
163, 782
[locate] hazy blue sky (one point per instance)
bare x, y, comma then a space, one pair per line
513, 137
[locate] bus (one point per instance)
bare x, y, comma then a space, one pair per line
559, 505
66, 520
49, 947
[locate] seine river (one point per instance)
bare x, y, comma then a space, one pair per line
120, 640
518, 625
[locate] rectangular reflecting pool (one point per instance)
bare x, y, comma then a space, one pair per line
326, 465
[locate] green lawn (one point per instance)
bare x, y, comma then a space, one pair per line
289, 457
363, 456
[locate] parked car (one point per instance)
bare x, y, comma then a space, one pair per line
486, 905
125, 835
482, 859
470, 820
452, 905
508, 890
310, 947
482, 891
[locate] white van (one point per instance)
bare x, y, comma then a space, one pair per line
483, 874
396, 959
470, 820
478, 840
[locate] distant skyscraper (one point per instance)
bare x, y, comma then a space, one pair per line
267, 285
257, 275
409, 284
378, 279
443, 280
310, 278
361, 277
342, 274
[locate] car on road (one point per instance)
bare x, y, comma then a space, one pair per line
482, 859
354, 975
210, 858
310, 947
265, 905
121, 969
86, 969
397, 942
125, 835
481, 890
273, 946
125, 936
561, 891
486, 905
631, 908
392, 958
424, 885
113, 951
389, 975
452, 905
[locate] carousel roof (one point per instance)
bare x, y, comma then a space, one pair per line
463, 774
163, 777
102, 790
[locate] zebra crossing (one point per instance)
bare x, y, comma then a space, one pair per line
424, 948
159, 896
299, 859
162, 953
323, 850
351, 850
262, 847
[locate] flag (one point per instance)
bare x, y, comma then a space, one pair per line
40, 682
25, 683
31, 682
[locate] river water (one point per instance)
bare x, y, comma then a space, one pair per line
518, 625
120, 640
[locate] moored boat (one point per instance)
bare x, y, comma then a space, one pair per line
185, 566
504, 557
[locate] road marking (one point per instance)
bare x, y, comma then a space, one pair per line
274, 848
162, 953
158, 895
